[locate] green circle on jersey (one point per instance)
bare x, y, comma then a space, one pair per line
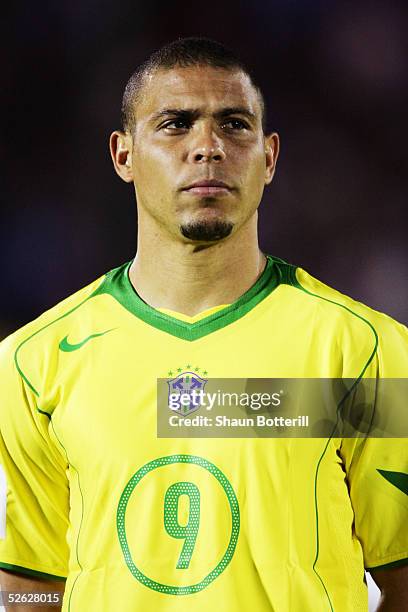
121, 514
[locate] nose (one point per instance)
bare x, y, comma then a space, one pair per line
206, 148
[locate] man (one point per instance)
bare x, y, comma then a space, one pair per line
134, 521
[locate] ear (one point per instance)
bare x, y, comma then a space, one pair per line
121, 146
271, 155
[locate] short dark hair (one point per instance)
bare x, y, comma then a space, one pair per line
184, 52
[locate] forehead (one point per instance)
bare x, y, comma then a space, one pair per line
203, 87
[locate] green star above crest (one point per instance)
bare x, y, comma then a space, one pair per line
189, 368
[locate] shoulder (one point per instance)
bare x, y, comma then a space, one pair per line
319, 291
67, 306
32, 355
390, 337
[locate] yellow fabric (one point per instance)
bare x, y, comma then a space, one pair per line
197, 317
312, 512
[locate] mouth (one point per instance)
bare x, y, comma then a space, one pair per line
207, 187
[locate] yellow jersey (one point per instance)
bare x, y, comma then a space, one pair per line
89, 492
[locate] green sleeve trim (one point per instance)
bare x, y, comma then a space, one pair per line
399, 563
30, 572
43, 412
16, 358
296, 284
82, 516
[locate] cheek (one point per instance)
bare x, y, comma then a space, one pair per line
253, 170
152, 168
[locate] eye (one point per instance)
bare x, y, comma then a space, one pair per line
176, 124
236, 124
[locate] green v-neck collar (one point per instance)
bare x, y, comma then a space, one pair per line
117, 284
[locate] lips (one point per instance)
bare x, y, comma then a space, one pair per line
208, 187
208, 183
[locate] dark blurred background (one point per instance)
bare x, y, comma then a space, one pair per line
335, 79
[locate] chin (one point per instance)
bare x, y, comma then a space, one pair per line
206, 230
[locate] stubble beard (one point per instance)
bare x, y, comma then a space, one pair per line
207, 231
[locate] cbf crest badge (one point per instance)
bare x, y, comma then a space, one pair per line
184, 393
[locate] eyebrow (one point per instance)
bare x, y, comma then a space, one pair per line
194, 113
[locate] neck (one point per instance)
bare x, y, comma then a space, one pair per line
168, 273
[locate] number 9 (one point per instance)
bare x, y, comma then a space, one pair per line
189, 531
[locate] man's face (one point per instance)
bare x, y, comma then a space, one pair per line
195, 127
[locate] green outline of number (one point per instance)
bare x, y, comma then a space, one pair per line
121, 515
